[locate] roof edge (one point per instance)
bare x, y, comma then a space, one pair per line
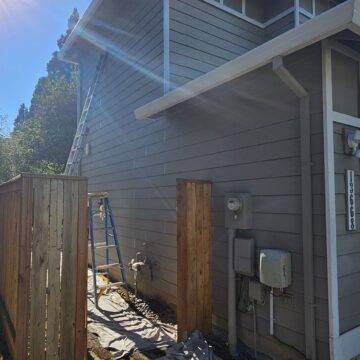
341, 17
74, 35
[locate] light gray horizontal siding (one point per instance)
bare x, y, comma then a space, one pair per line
133, 76
245, 137
203, 37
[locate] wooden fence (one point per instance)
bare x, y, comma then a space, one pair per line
43, 266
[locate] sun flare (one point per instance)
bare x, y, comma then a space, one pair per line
10, 8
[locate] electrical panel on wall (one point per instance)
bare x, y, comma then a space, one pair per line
238, 211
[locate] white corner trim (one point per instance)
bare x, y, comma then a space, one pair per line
347, 345
296, 13
166, 41
330, 205
314, 30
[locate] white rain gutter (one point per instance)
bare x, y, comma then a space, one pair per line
306, 201
341, 17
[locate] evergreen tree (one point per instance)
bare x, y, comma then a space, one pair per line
43, 135
22, 115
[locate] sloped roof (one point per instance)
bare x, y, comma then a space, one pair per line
71, 40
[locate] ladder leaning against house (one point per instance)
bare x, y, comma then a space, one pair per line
73, 163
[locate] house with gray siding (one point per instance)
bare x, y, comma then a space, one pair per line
258, 97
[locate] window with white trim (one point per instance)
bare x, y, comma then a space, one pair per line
265, 12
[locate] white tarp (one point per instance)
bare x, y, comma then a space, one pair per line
194, 348
120, 329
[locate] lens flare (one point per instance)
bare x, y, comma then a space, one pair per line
9, 9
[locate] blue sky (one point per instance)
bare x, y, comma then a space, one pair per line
29, 30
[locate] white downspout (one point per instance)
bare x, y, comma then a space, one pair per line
232, 336
306, 196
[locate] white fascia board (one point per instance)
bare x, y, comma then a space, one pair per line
88, 15
341, 17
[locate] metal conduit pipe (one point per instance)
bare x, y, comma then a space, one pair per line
306, 194
232, 336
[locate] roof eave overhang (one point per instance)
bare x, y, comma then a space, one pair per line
341, 17
66, 53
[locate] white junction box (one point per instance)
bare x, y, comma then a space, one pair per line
275, 268
244, 256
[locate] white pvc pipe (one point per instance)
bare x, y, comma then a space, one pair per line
232, 337
271, 311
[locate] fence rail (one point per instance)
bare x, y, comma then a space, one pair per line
43, 266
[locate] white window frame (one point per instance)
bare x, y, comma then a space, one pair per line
347, 345
296, 9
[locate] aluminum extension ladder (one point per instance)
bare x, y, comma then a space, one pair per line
104, 211
73, 163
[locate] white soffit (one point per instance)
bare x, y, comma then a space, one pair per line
341, 17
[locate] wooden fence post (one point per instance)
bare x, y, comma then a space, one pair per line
194, 257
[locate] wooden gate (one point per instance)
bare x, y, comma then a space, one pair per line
43, 266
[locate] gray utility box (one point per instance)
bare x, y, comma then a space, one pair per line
244, 256
256, 291
238, 211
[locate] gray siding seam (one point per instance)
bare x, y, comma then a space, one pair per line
207, 154
233, 53
209, 141
207, 168
194, 58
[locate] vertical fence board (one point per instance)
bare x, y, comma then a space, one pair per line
68, 280
55, 248
199, 255
194, 257
39, 267
191, 238
207, 253
24, 267
10, 210
181, 206
81, 281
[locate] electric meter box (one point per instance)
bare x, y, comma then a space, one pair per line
244, 256
275, 268
238, 211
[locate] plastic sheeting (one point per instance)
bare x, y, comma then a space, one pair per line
194, 348
120, 329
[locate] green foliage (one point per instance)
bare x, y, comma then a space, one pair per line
22, 116
5, 145
43, 134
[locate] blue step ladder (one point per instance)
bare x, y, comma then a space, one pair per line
99, 205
